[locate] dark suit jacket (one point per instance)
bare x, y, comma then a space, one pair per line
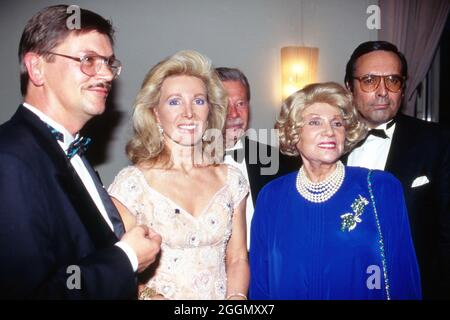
418, 149
49, 222
262, 167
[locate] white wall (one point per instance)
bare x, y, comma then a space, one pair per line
247, 34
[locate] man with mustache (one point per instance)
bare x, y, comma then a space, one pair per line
260, 163
61, 236
415, 151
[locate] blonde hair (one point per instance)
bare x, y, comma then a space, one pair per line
147, 145
290, 119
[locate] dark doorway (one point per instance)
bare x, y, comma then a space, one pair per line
444, 92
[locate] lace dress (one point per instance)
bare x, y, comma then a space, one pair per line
192, 263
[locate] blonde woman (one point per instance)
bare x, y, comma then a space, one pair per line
195, 204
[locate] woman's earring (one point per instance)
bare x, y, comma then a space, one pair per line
160, 129
205, 135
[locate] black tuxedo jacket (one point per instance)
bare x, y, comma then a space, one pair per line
49, 222
418, 149
260, 160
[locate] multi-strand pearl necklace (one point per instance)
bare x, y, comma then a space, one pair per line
320, 191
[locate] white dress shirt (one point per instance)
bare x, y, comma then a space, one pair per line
85, 177
373, 153
249, 209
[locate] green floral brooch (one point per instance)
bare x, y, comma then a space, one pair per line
351, 220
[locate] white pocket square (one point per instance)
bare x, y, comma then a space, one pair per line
420, 181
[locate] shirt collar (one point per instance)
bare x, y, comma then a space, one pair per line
68, 138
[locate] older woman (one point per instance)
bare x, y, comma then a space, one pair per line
198, 207
329, 231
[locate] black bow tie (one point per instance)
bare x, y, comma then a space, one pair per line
78, 146
378, 133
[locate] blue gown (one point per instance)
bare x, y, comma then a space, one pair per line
298, 250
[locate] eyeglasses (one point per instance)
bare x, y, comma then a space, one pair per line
92, 63
371, 82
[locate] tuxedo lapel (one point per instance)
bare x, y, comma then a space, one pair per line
69, 180
110, 208
405, 159
86, 209
254, 165
252, 168
42, 135
400, 146
395, 150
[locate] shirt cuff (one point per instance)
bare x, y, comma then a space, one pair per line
130, 254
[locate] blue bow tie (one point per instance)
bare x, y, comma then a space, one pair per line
78, 146
58, 135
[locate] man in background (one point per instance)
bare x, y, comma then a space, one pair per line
415, 151
260, 163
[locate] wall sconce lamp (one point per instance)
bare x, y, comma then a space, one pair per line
298, 68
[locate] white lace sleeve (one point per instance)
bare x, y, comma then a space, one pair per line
238, 185
128, 189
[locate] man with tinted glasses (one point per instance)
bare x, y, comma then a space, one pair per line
415, 151
61, 237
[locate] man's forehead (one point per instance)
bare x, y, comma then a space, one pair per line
235, 87
379, 61
90, 41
